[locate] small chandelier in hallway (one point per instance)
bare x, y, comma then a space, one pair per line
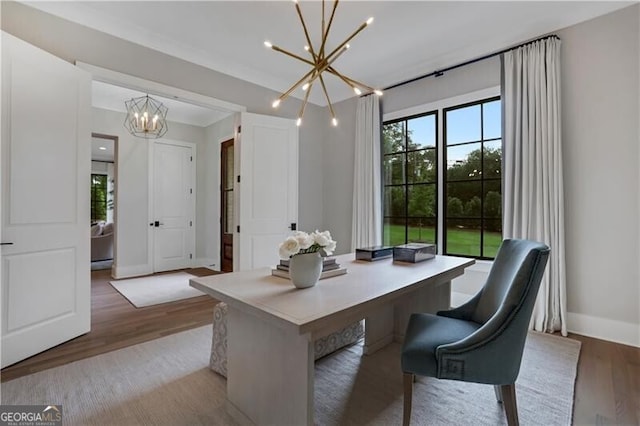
146, 117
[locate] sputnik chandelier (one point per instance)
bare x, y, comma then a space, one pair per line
320, 62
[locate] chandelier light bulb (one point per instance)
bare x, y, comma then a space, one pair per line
268, 44
334, 121
358, 91
305, 86
378, 92
299, 121
369, 21
276, 103
306, 48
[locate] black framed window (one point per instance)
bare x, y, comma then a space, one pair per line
98, 197
410, 178
472, 180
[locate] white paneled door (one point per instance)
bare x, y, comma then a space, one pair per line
45, 151
268, 188
173, 205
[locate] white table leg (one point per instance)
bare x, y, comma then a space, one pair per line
429, 299
378, 330
269, 373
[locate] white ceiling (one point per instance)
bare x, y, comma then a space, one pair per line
407, 38
108, 96
102, 149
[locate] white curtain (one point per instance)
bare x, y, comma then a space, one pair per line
367, 204
533, 183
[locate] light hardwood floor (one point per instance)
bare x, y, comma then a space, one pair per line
607, 387
116, 324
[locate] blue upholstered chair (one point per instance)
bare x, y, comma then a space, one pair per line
481, 341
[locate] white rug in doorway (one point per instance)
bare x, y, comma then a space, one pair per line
156, 289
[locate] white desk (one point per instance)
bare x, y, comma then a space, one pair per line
272, 326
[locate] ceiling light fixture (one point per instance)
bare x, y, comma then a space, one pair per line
146, 117
321, 61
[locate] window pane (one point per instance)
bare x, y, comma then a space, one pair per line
492, 237
422, 230
463, 162
463, 237
492, 159
393, 137
421, 166
422, 200
463, 124
393, 231
492, 120
228, 178
464, 199
394, 201
422, 132
228, 214
394, 169
492, 199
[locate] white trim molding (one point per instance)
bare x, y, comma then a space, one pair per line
626, 333
131, 271
151, 87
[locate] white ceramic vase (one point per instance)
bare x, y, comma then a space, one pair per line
305, 269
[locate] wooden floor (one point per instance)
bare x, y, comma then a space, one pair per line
116, 324
607, 387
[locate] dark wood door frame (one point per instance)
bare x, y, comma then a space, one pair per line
226, 205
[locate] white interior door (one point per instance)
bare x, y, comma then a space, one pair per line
268, 188
173, 205
46, 140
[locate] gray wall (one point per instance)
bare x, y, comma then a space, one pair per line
132, 181
74, 42
600, 113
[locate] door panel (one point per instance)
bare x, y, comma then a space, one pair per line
46, 135
268, 189
173, 205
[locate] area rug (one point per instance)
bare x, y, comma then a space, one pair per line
156, 289
167, 382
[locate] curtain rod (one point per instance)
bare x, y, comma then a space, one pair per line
438, 73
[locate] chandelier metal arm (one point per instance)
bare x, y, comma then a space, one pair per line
324, 67
344, 43
350, 81
297, 84
326, 32
304, 102
326, 94
293, 55
304, 27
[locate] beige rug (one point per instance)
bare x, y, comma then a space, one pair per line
167, 382
156, 289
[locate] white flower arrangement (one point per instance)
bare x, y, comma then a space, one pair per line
301, 242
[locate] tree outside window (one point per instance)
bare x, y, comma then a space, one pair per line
98, 198
470, 185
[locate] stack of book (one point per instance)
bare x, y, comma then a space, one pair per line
330, 268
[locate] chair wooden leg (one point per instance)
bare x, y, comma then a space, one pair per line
509, 402
408, 394
496, 389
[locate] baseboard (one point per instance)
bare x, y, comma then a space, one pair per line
131, 271
603, 328
206, 262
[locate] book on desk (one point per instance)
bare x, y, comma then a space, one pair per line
330, 268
